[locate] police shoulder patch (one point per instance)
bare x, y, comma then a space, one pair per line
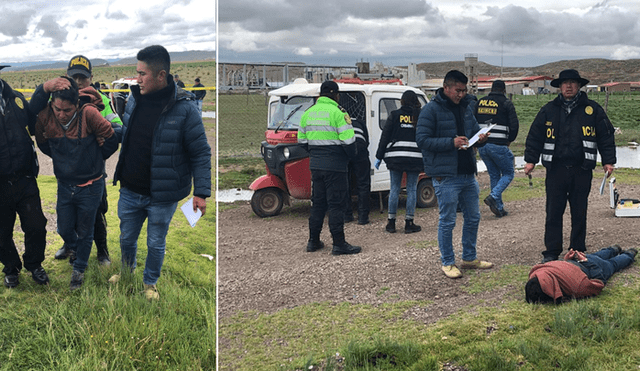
19, 103
588, 110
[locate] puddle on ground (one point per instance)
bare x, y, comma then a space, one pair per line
628, 157
233, 195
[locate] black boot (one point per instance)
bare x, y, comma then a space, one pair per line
391, 226
63, 253
344, 248
103, 253
363, 218
314, 245
409, 227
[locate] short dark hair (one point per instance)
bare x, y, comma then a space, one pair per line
197, 79
156, 57
534, 294
499, 86
455, 76
70, 95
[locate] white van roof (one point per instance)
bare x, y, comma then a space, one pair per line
301, 87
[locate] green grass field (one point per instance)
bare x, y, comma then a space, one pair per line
113, 327
243, 120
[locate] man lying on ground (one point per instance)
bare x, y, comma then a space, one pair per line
578, 276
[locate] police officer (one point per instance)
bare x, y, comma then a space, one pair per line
496, 109
360, 169
326, 131
19, 190
568, 132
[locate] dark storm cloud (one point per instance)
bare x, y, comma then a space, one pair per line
166, 25
270, 16
523, 27
14, 23
117, 15
52, 30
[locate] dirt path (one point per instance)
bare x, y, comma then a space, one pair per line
263, 264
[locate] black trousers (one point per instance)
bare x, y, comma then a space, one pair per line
360, 174
100, 227
572, 184
21, 196
328, 191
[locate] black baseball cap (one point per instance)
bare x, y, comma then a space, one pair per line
79, 65
328, 88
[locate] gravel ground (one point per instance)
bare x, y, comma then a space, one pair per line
263, 264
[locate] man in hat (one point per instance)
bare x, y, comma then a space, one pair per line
79, 69
326, 131
567, 133
444, 128
496, 109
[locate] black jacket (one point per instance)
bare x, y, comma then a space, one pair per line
572, 139
398, 145
17, 124
495, 108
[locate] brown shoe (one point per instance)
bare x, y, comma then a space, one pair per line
151, 292
451, 271
476, 264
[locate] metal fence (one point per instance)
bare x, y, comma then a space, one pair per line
242, 122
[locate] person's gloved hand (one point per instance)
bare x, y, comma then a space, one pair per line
377, 165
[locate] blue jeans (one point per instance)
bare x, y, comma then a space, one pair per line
199, 102
133, 209
604, 263
394, 193
499, 162
76, 210
451, 191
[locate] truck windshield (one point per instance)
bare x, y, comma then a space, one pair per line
285, 115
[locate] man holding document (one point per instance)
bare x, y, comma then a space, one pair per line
567, 133
164, 147
444, 126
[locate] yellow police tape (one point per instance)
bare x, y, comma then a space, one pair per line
120, 90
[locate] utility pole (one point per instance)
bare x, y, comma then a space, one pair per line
502, 56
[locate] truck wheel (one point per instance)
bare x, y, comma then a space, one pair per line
267, 202
426, 194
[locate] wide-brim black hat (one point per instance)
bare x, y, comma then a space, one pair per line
569, 75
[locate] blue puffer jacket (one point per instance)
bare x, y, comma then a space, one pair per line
180, 150
435, 133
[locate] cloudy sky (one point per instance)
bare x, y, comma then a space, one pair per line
517, 33
45, 30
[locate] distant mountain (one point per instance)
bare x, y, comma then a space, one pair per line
597, 70
196, 55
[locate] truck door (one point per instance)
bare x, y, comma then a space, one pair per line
382, 103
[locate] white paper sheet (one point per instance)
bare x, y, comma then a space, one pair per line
187, 210
476, 137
